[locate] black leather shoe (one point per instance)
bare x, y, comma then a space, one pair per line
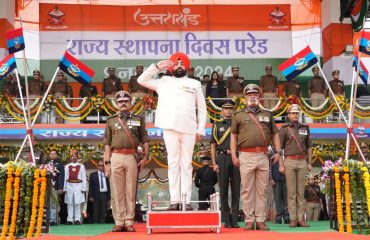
278, 221
77, 223
53, 223
234, 225
174, 207
69, 223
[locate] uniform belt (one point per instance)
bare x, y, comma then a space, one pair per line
124, 150
256, 149
296, 157
74, 181
222, 152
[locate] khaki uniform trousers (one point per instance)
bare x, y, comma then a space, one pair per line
123, 181
313, 211
267, 102
317, 99
254, 174
295, 175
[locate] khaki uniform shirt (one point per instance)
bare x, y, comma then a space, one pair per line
9, 89
249, 134
36, 88
236, 85
292, 88
134, 86
289, 144
111, 86
317, 85
337, 86
116, 137
61, 89
268, 83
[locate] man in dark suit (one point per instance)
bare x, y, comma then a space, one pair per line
99, 193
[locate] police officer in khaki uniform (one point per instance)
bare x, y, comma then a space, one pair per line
36, 87
312, 195
9, 87
235, 84
134, 88
337, 85
316, 88
123, 132
292, 88
296, 142
269, 87
111, 84
252, 131
228, 174
61, 89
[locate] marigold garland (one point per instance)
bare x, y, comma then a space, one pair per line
7, 204
13, 225
34, 202
338, 198
41, 202
347, 199
366, 177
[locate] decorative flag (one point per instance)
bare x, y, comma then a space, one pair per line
359, 11
365, 43
298, 63
7, 66
363, 73
76, 69
15, 40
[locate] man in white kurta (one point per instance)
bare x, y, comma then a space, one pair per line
75, 188
181, 112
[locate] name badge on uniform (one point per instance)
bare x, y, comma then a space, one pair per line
303, 132
134, 123
188, 89
222, 129
117, 125
264, 119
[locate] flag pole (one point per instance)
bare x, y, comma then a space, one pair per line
348, 140
42, 102
25, 75
340, 111
28, 129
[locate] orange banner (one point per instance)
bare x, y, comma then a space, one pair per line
70, 17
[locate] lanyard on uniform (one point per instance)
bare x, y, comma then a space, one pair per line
259, 126
295, 138
219, 142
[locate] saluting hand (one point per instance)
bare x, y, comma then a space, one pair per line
164, 64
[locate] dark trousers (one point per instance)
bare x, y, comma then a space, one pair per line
203, 195
228, 175
281, 202
100, 208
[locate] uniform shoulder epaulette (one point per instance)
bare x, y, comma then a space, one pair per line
113, 116
241, 110
285, 125
136, 116
305, 125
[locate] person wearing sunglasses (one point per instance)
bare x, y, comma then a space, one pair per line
296, 142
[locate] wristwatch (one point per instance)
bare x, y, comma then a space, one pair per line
107, 162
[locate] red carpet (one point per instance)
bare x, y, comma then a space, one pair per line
205, 234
